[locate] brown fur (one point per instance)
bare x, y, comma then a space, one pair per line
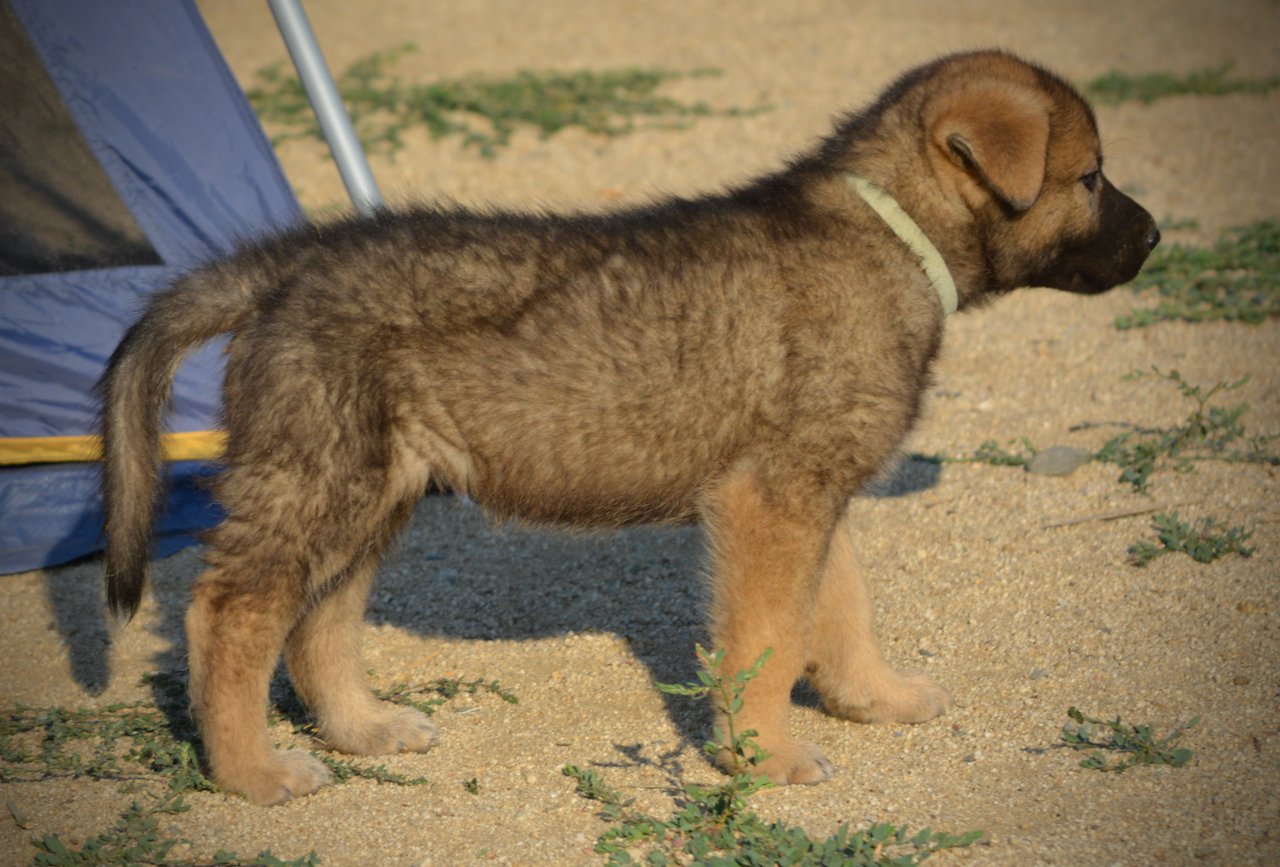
748, 360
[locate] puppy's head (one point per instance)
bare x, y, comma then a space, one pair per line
1019, 148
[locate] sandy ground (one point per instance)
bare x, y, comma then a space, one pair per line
1018, 621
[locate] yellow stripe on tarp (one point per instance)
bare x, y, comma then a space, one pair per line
201, 445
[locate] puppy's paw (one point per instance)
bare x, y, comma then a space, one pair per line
894, 697
284, 775
789, 763
386, 729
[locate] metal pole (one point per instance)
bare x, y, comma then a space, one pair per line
335, 124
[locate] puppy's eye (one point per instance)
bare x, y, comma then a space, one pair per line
1092, 180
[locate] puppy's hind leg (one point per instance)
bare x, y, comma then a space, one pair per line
289, 536
328, 672
239, 615
845, 664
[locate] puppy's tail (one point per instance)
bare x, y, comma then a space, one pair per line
135, 392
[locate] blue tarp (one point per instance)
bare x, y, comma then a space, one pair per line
148, 89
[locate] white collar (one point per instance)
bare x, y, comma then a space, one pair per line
913, 236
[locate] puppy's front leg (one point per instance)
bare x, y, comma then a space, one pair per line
845, 664
768, 550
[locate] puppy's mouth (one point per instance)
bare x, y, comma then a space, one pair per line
1113, 256
1125, 264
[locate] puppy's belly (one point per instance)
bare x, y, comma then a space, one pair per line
576, 481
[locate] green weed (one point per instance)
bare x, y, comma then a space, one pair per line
726, 695
119, 742
345, 770
1204, 544
1116, 87
990, 452
136, 838
1209, 433
428, 697
143, 743
133, 744
1179, 224
483, 111
1235, 280
714, 826
1137, 743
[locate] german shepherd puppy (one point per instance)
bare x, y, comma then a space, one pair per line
746, 359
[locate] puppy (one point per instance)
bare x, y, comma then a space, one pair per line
747, 360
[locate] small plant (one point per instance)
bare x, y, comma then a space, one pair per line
132, 744
1204, 544
483, 111
46, 743
427, 697
1236, 280
1209, 433
740, 748
1116, 87
142, 743
136, 838
991, 453
714, 826
1137, 742
345, 770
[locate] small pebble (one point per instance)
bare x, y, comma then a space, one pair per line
19, 817
1058, 461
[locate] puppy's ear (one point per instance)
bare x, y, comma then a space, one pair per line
999, 133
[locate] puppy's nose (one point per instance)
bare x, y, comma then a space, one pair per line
1153, 237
